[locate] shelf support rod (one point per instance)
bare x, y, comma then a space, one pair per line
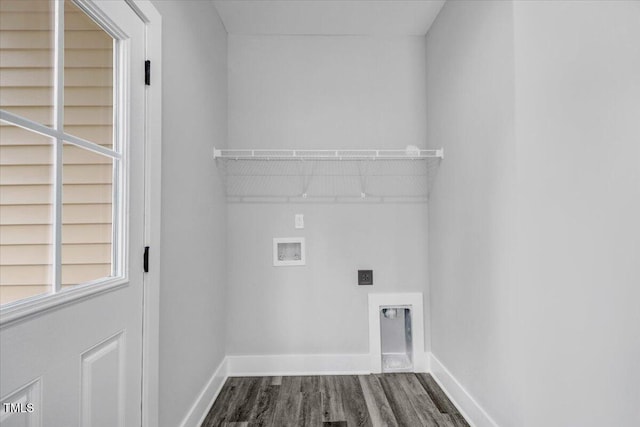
307, 171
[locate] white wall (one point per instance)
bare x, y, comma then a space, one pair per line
193, 208
322, 92
578, 132
318, 308
333, 92
534, 237
470, 98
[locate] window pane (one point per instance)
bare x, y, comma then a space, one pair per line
88, 74
26, 58
26, 195
87, 216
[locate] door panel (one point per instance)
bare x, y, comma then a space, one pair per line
102, 380
29, 394
79, 364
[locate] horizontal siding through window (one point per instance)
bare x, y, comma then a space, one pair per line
99, 253
40, 234
26, 191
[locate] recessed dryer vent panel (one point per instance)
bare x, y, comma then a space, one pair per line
396, 339
396, 332
288, 251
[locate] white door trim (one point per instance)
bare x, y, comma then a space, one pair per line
153, 177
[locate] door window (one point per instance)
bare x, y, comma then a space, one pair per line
61, 157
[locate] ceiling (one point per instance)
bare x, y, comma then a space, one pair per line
328, 17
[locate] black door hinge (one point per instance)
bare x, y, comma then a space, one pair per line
147, 72
145, 262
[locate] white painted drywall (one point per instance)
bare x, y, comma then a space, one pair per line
192, 305
315, 17
470, 98
578, 131
318, 308
322, 92
326, 92
534, 238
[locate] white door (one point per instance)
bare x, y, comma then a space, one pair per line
73, 213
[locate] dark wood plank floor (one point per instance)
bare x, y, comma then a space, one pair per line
410, 400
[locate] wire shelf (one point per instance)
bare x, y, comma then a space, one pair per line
328, 175
259, 154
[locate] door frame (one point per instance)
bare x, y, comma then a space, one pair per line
152, 207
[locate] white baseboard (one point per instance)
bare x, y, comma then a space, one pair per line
299, 364
470, 409
203, 403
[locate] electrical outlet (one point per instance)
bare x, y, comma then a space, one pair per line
365, 277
